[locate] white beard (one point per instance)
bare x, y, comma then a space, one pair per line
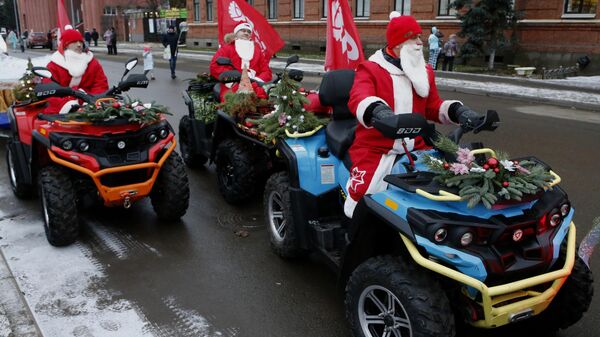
414, 66
76, 63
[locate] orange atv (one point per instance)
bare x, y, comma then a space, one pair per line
77, 163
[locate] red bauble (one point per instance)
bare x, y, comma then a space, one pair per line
486, 166
301, 89
493, 162
505, 184
496, 169
248, 124
116, 105
446, 166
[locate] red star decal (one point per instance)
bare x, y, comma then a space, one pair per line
357, 178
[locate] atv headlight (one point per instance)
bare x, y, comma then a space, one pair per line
466, 239
67, 145
565, 209
84, 146
163, 133
121, 145
555, 219
440, 235
152, 137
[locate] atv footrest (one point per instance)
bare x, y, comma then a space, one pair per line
328, 235
413, 181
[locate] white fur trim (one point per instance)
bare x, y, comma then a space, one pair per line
362, 107
394, 14
75, 81
403, 94
443, 114
67, 106
75, 69
380, 60
349, 206
398, 148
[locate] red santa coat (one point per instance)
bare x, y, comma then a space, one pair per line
372, 154
88, 76
259, 67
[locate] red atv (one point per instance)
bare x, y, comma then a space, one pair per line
79, 163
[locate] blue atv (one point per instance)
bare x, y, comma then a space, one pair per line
415, 259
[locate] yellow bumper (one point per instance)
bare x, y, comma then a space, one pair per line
521, 301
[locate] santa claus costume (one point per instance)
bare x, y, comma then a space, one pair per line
258, 68
80, 71
406, 85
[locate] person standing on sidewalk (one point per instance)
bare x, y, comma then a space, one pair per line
171, 40
434, 47
108, 38
113, 39
450, 51
87, 36
148, 61
95, 37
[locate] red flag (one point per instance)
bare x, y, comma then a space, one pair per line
63, 20
233, 12
344, 49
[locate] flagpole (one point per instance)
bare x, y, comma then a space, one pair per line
15, 7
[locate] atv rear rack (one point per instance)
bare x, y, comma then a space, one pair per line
495, 313
125, 194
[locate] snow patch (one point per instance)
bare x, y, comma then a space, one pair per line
62, 287
13, 68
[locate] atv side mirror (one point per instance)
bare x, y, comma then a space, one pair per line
41, 72
292, 59
224, 61
131, 63
296, 75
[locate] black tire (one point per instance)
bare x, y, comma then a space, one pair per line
59, 206
186, 141
170, 195
237, 175
280, 219
20, 189
569, 305
420, 305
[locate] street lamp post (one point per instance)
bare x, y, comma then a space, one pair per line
15, 7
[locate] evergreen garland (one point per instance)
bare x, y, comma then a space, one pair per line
205, 108
133, 110
289, 113
24, 90
240, 104
498, 178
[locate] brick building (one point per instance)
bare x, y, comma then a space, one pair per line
552, 32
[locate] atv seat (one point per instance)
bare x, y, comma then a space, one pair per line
335, 92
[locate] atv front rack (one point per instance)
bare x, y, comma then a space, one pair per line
511, 302
126, 194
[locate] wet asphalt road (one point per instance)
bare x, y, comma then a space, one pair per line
236, 283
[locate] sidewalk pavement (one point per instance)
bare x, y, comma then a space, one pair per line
578, 92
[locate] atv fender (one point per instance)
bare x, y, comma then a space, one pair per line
226, 127
373, 231
23, 155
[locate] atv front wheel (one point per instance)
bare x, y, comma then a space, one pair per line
20, 189
278, 212
170, 195
237, 174
186, 144
387, 297
59, 206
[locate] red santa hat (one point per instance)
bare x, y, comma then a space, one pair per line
69, 36
401, 28
243, 25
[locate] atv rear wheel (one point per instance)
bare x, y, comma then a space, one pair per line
186, 141
278, 212
20, 189
59, 206
237, 175
170, 195
387, 297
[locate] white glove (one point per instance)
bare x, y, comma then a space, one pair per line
67, 107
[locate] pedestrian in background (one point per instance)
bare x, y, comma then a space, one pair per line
434, 47
171, 40
87, 36
12, 39
95, 37
49, 36
148, 61
450, 51
114, 40
108, 38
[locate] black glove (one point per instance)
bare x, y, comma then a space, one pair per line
74, 108
377, 110
466, 117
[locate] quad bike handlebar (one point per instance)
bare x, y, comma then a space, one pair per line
490, 122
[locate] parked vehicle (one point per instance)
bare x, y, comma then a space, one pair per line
79, 163
243, 161
415, 259
37, 39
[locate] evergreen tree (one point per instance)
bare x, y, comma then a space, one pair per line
7, 14
24, 90
485, 24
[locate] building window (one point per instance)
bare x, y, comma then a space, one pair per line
324, 8
402, 6
362, 8
271, 9
110, 10
298, 9
209, 10
196, 10
445, 9
581, 6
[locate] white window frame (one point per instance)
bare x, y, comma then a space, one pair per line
402, 6
298, 9
363, 9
